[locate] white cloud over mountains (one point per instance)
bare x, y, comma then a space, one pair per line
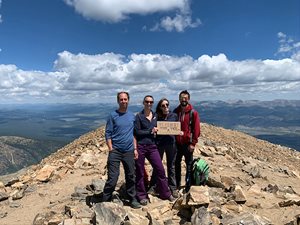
88, 78
115, 11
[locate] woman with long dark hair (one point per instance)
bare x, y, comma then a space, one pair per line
166, 144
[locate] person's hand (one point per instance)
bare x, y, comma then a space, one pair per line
181, 133
136, 154
154, 130
191, 148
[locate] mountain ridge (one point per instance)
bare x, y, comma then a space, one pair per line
19, 152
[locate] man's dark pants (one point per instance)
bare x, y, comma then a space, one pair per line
183, 150
113, 167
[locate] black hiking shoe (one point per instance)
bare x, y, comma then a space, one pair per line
135, 204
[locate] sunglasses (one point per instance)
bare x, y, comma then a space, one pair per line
165, 105
149, 102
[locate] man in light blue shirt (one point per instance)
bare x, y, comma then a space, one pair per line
122, 148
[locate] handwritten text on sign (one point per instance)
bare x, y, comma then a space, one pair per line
168, 128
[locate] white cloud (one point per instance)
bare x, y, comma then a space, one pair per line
179, 23
288, 46
118, 10
114, 11
81, 77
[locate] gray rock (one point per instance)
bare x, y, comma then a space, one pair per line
97, 186
246, 219
14, 204
3, 214
43, 218
295, 221
136, 219
217, 196
215, 181
152, 220
239, 195
17, 194
3, 196
271, 188
287, 189
12, 180
206, 152
255, 172
227, 182
201, 216
80, 194
198, 195
108, 213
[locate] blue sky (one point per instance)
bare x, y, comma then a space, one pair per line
87, 50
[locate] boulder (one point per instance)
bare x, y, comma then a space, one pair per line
108, 213
201, 216
246, 218
239, 195
198, 195
45, 173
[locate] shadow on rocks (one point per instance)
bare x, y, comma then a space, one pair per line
91, 200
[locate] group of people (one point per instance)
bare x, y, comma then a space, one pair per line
133, 138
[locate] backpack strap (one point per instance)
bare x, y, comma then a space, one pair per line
190, 124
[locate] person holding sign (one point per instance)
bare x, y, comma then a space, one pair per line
145, 132
166, 144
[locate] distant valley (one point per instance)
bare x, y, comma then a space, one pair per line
45, 128
276, 121
17, 152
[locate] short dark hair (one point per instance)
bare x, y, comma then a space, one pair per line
185, 92
148, 96
122, 92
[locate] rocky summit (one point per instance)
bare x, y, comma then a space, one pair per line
250, 182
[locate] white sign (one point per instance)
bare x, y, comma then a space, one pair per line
168, 128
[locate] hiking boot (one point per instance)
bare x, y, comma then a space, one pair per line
135, 204
171, 198
175, 194
144, 202
116, 199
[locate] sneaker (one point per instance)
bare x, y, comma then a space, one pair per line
135, 204
171, 198
144, 202
175, 193
116, 199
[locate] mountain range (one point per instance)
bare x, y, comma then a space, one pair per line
31, 132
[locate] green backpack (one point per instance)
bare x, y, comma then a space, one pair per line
200, 172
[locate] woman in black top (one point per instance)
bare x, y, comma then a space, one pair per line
145, 131
166, 144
